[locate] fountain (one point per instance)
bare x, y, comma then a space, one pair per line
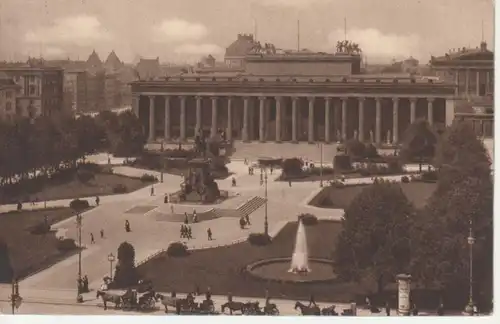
300, 256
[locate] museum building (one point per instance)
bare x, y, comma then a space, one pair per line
270, 95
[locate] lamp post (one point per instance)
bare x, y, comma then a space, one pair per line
469, 309
111, 259
266, 224
15, 297
79, 297
321, 165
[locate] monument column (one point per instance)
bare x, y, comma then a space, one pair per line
135, 104
404, 281
327, 119
294, 119
395, 120
311, 120
413, 110
430, 111
278, 119
167, 118
229, 134
198, 115
183, 119
262, 101
361, 119
151, 137
478, 75
467, 81
378, 120
245, 119
213, 130
344, 119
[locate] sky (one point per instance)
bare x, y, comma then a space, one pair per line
182, 31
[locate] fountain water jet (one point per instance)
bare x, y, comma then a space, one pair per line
300, 257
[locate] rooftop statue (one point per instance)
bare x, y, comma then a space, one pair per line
348, 47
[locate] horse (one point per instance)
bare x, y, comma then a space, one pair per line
233, 306
306, 310
109, 297
329, 311
252, 308
175, 302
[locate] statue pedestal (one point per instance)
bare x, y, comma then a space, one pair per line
404, 281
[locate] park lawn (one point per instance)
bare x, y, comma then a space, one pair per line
28, 252
101, 185
340, 198
221, 269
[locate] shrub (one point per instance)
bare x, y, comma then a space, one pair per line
259, 239
342, 162
120, 188
308, 219
84, 176
41, 228
370, 151
91, 167
79, 204
429, 176
355, 148
66, 245
405, 179
292, 167
177, 249
148, 178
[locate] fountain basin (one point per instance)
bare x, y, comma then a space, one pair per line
276, 269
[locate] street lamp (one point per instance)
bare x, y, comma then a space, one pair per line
469, 309
266, 224
111, 259
79, 297
15, 297
321, 165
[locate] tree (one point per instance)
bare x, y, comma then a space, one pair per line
419, 142
374, 241
129, 140
464, 194
125, 273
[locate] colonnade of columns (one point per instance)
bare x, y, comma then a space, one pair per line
263, 122
480, 77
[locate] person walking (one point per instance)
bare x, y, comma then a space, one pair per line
152, 190
97, 200
312, 302
92, 241
209, 234
195, 216
387, 309
102, 233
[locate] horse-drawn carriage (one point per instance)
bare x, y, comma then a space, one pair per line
133, 300
187, 305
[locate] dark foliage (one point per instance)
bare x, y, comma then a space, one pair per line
120, 189
148, 178
6, 271
41, 228
84, 176
79, 205
66, 245
419, 143
342, 162
259, 239
125, 273
292, 167
177, 249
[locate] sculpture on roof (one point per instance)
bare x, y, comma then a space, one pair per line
268, 48
348, 47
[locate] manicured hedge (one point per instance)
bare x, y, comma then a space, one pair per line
177, 249
148, 178
79, 204
65, 245
120, 188
259, 239
308, 219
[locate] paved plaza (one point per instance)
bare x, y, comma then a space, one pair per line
153, 230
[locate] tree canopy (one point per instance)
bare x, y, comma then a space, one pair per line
374, 241
419, 142
125, 273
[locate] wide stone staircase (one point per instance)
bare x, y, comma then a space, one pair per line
251, 205
307, 151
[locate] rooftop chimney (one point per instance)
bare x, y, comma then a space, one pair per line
484, 46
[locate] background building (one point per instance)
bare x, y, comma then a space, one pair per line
8, 95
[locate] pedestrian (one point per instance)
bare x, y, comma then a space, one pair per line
172, 208
209, 234
85, 284
195, 217
109, 160
152, 190
97, 200
127, 226
414, 310
387, 309
311, 301
272, 170
208, 294
92, 241
247, 219
186, 219
289, 183
189, 232
440, 309
102, 233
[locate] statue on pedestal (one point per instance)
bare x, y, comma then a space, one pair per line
338, 136
371, 136
355, 134
388, 137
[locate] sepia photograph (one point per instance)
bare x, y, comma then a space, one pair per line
246, 157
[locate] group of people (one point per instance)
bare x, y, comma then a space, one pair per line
186, 232
83, 285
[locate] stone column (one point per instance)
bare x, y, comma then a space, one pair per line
361, 119
327, 119
245, 119
151, 137
450, 111
262, 122
294, 119
198, 115
229, 134
395, 120
378, 121
167, 118
278, 119
183, 119
478, 83
213, 130
344, 119
467, 81
430, 111
488, 82
413, 110
457, 82
310, 135
135, 104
